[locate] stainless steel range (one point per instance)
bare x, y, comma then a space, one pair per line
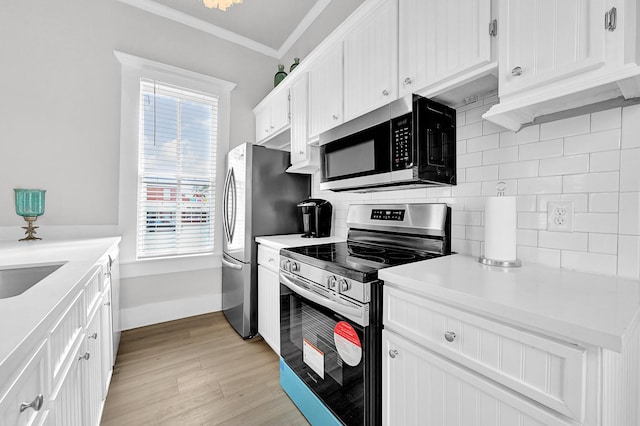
331, 308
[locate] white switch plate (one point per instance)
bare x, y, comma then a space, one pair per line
560, 216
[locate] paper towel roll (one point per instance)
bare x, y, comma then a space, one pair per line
500, 219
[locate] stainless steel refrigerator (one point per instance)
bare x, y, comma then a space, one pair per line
259, 199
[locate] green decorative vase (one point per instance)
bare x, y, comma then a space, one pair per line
296, 62
280, 75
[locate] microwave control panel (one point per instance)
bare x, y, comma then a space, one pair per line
401, 146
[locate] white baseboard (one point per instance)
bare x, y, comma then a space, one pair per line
154, 313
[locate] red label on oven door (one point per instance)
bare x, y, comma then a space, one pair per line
347, 343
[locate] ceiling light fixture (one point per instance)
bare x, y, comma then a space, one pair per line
220, 4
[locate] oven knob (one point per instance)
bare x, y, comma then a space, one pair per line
295, 267
331, 282
344, 285
285, 265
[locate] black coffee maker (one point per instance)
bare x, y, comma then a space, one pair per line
316, 218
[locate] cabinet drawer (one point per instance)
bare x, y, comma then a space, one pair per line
548, 371
269, 257
64, 333
29, 385
92, 290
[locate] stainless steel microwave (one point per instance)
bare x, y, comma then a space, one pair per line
409, 143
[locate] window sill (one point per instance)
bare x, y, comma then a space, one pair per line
148, 267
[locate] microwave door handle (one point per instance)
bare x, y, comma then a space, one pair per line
348, 311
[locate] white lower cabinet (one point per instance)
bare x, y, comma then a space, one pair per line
67, 397
92, 364
422, 388
269, 296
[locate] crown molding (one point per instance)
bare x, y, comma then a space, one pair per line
199, 24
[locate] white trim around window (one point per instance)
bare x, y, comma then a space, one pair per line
133, 69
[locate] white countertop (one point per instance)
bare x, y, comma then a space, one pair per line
20, 315
574, 306
294, 240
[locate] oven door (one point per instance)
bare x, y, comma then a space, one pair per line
328, 352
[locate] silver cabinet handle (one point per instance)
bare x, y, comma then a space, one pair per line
517, 71
407, 81
86, 356
449, 336
272, 127
335, 117
271, 259
301, 152
93, 336
385, 92
36, 404
107, 304
393, 353
266, 130
611, 19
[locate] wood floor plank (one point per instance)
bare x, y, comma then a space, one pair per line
196, 371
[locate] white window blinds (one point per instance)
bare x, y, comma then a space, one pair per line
176, 171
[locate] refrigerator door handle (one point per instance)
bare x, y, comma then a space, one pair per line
231, 265
225, 206
234, 209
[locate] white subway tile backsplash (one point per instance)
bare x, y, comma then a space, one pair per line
629, 213
489, 128
589, 262
475, 233
565, 127
474, 203
439, 191
591, 182
563, 240
478, 174
461, 147
458, 231
528, 134
603, 243
473, 159
592, 142
467, 189
629, 256
461, 118
490, 188
580, 201
540, 185
527, 237
529, 220
630, 170
466, 218
606, 223
526, 203
606, 120
538, 150
468, 131
483, 143
543, 256
466, 247
564, 165
507, 139
461, 175
604, 161
501, 155
631, 127
520, 169
603, 202
475, 114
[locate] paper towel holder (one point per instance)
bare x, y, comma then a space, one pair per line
500, 188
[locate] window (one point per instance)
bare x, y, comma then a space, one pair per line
176, 170
174, 130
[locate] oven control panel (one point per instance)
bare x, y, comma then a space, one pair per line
401, 147
384, 214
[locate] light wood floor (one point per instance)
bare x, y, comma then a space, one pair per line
196, 371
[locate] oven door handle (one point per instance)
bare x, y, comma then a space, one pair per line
356, 314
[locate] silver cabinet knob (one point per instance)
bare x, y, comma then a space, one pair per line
407, 81
270, 260
36, 404
393, 353
86, 356
449, 336
266, 130
107, 304
516, 71
385, 92
271, 127
301, 152
93, 336
335, 117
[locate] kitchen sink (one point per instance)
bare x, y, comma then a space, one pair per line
15, 281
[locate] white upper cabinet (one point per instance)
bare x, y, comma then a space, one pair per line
371, 61
441, 40
562, 55
547, 40
304, 158
325, 91
272, 116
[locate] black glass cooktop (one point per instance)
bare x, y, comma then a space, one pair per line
354, 260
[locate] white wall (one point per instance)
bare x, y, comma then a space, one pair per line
60, 125
592, 160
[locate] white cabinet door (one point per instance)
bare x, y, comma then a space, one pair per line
106, 341
547, 40
299, 128
68, 398
92, 365
263, 123
371, 61
325, 91
419, 387
269, 307
279, 111
439, 40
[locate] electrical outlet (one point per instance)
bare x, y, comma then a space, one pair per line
560, 216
